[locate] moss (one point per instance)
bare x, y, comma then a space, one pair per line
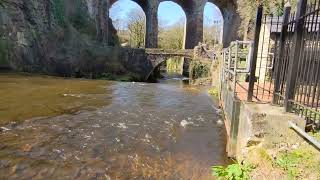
4, 53
59, 12
81, 21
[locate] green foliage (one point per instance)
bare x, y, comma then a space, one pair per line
316, 135
290, 161
200, 70
81, 21
232, 172
59, 12
213, 92
247, 11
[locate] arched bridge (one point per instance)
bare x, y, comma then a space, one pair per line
194, 11
188, 53
158, 56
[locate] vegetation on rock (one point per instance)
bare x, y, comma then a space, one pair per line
59, 12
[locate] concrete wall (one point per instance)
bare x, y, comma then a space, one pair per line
265, 125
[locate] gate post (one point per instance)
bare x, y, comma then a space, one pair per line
293, 64
279, 62
254, 54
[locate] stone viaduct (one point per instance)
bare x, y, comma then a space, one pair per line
194, 10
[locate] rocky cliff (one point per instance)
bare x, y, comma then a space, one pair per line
58, 37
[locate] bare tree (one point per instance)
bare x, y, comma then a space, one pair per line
136, 27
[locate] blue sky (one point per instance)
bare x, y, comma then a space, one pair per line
168, 12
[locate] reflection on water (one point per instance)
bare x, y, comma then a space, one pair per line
27, 96
167, 130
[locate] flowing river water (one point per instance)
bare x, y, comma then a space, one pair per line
55, 128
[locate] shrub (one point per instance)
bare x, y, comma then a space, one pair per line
232, 172
200, 70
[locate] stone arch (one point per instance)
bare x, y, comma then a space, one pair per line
194, 10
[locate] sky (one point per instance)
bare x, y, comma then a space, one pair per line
169, 12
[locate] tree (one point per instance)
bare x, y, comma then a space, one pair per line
211, 34
172, 37
247, 11
136, 27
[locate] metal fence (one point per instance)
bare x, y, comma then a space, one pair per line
282, 64
265, 52
297, 72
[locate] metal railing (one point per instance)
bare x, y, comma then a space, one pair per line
282, 64
235, 67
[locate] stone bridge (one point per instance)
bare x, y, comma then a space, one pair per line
194, 11
158, 56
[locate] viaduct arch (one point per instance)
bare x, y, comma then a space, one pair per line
193, 9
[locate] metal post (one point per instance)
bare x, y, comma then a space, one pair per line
279, 62
229, 61
235, 71
254, 54
294, 59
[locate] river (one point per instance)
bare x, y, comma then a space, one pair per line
56, 128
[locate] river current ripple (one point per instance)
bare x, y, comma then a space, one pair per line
147, 131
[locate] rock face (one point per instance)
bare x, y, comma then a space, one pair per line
60, 37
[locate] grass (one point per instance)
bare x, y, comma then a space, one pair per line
296, 162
